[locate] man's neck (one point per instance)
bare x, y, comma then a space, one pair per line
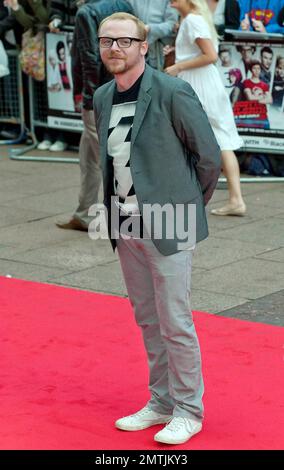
125, 81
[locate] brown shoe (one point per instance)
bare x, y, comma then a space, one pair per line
73, 224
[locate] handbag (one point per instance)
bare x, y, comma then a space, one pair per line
32, 55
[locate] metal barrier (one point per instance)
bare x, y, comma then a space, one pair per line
11, 98
38, 117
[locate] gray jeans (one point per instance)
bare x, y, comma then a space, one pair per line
159, 291
89, 168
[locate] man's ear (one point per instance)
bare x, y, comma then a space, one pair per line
144, 48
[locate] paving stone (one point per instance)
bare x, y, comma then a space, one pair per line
250, 279
14, 216
269, 232
252, 188
73, 255
273, 255
51, 203
30, 185
214, 252
212, 302
7, 197
37, 234
29, 271
266, 198
107, 278
267, 309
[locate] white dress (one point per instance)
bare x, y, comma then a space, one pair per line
207, 83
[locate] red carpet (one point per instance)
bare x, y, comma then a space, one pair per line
72, 362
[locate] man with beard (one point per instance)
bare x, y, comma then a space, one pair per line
158, 152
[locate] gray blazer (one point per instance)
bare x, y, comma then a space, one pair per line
175, 158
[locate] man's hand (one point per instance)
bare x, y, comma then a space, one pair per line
245, 24
12, 4
258, 26
54, 25
168, 49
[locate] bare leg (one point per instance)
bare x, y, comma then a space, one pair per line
236, 205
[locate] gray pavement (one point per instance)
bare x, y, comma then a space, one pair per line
238, 271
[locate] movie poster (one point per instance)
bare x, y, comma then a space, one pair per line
253, 75
63, 112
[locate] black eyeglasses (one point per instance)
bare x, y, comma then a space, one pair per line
121, 42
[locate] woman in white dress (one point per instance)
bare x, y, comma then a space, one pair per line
196, 53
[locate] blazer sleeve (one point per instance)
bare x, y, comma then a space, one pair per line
40, 14
194, 130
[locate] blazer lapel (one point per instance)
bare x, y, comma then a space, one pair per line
106, 112
144, 99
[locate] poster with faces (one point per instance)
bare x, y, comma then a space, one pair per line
63, 112
253, 76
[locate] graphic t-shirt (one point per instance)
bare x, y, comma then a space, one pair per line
257, 89
119, 145
265, 11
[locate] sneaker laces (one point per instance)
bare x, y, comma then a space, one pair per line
141, 413
177, 423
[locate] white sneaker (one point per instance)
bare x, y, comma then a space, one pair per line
44, 145
178, 431
143, 419
58, 146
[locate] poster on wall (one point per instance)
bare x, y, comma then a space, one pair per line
253, 75
63, 112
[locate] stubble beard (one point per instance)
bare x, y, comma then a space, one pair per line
117, 68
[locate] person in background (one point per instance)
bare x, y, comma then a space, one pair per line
88, 74
226, 14
225, 65
236, 78
278, 83
60, 69
247, 55
266, 57
62, 63
280, 18
38, 15
196, 54
160, 20
254, 88
7, 25
21, 15
54, 79
7, 131
58, 15
261, 15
